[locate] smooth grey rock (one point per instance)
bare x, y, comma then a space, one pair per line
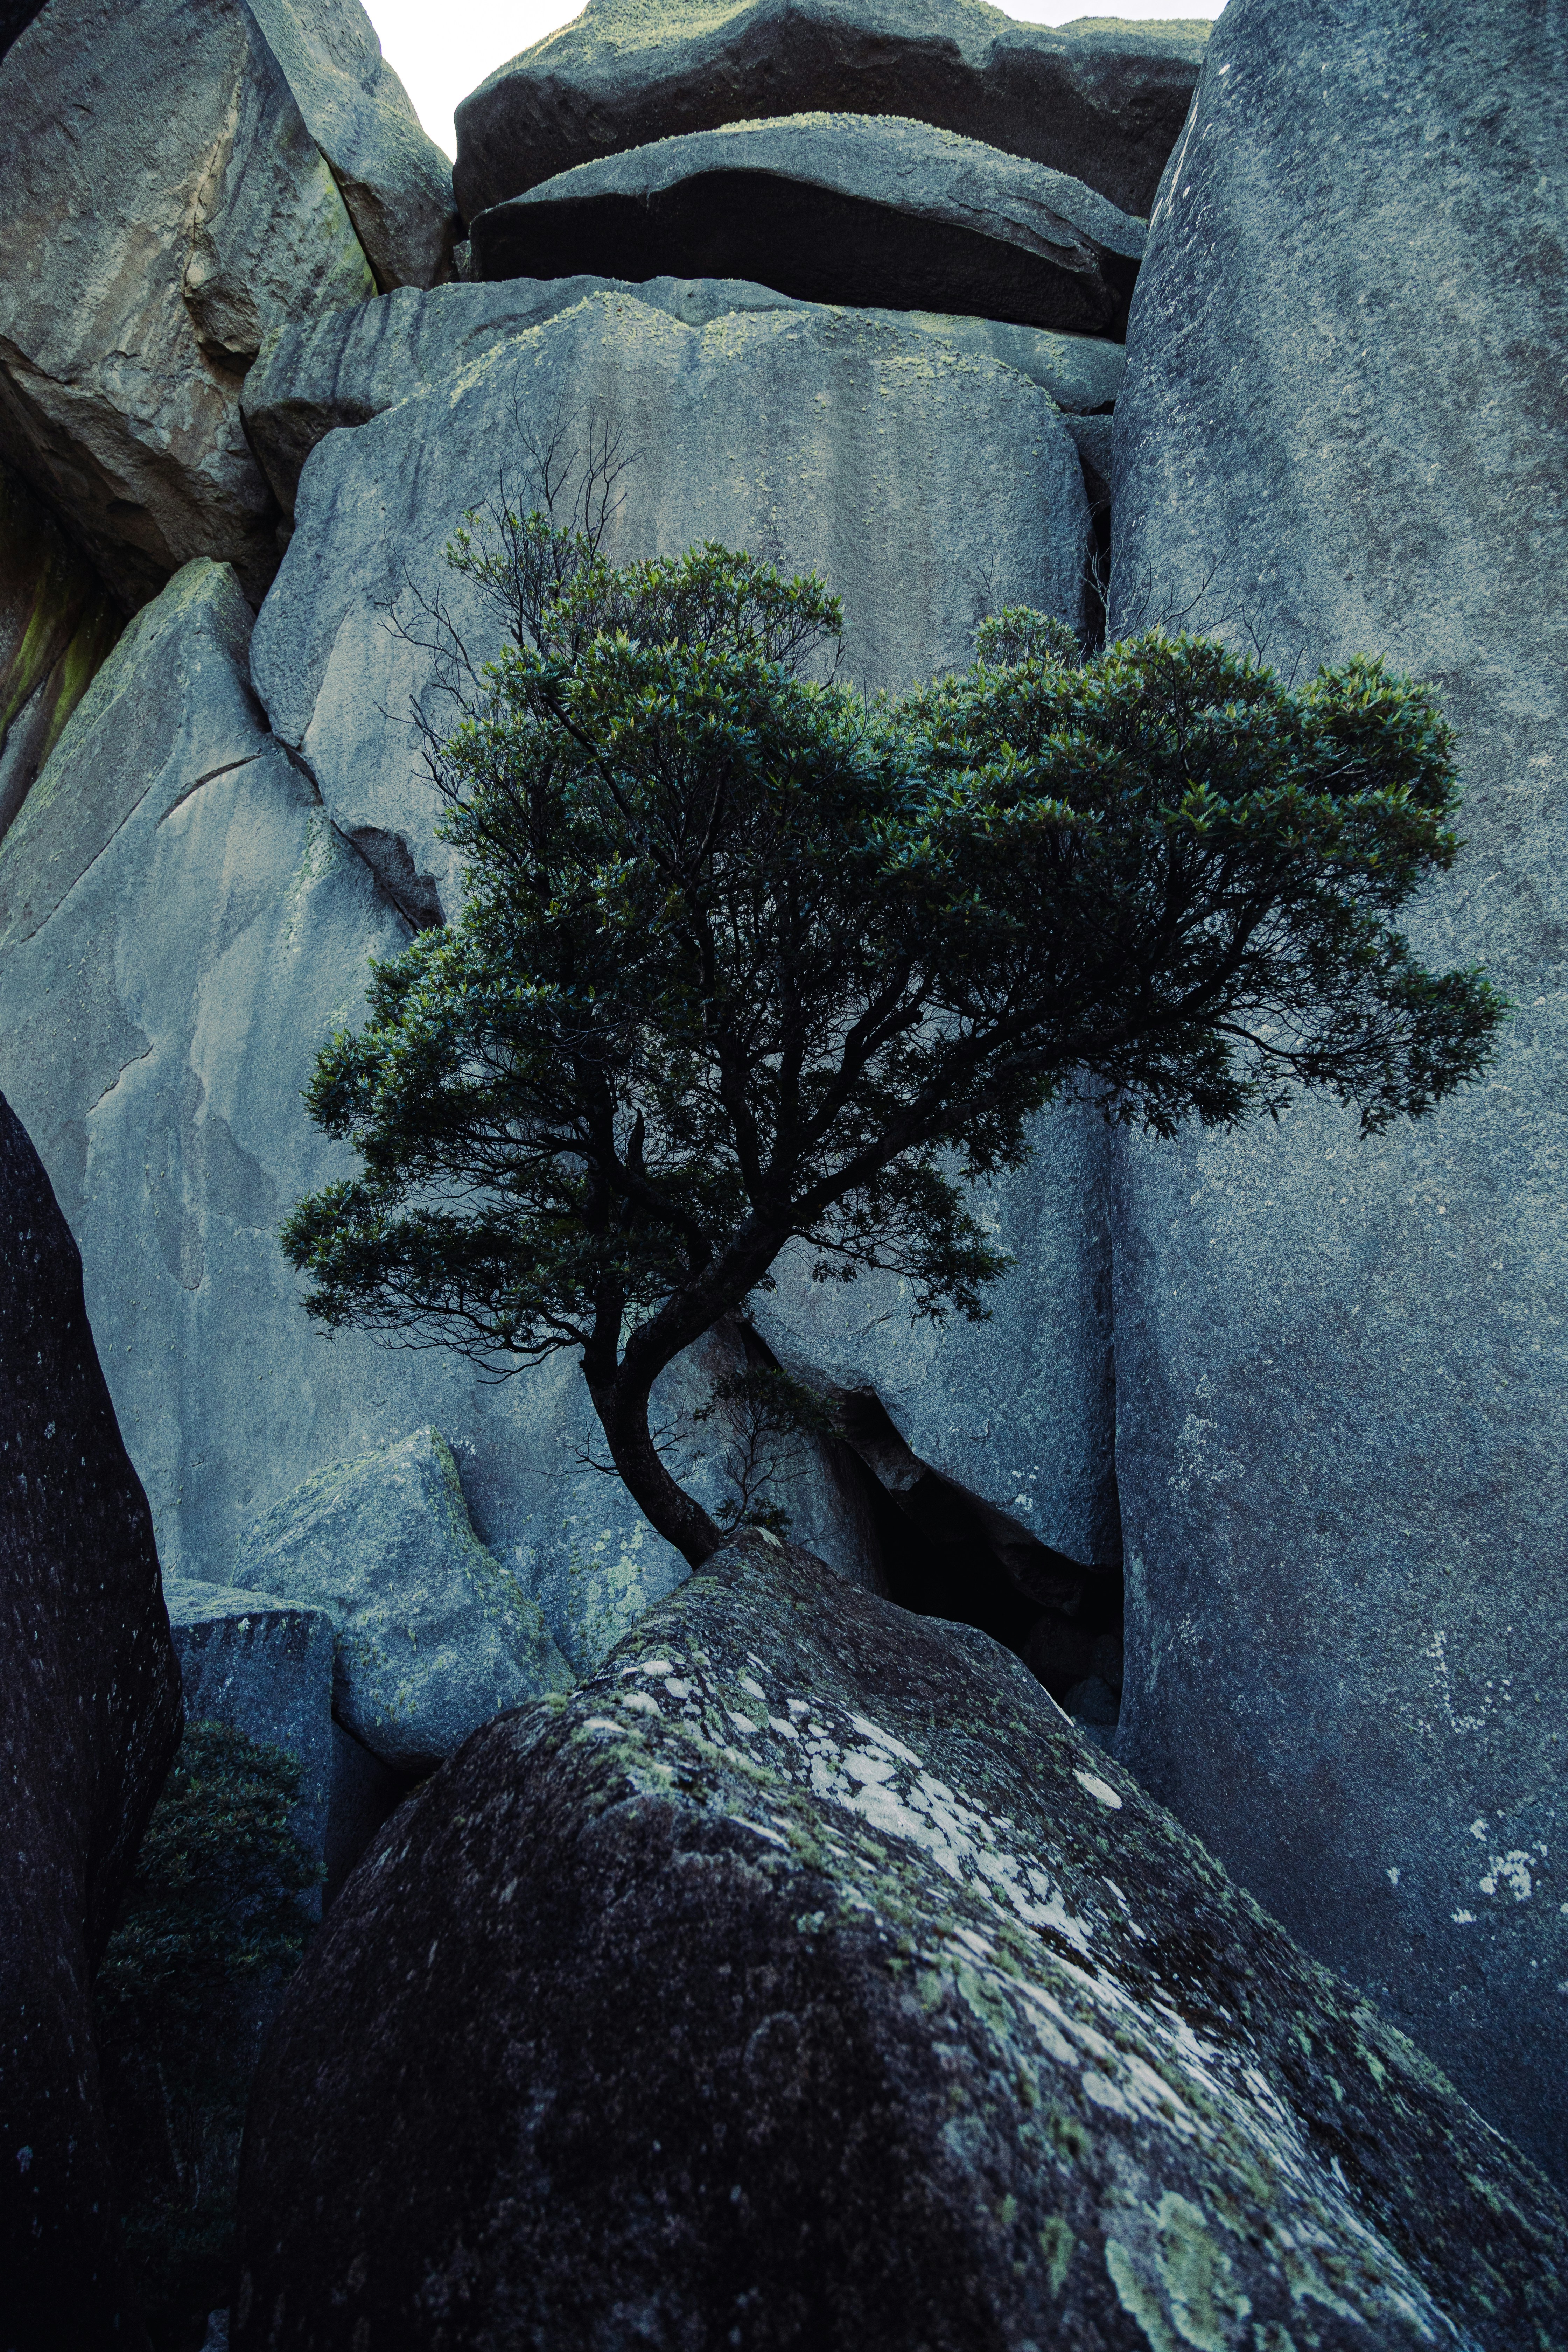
90, 1717
926, 487
1340, 1427
846, 208
181, 925
346, 366
806, 1970
433, 1635
57, 624
262, 1663
395, 180
1100, 98
365, 1792
164, 203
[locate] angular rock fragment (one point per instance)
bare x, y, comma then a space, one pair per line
805, 1977
57, 624
846, 208
347, 366
1339, 1430
433, 1635
90, 1716
1100, 98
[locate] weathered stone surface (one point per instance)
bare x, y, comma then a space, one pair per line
847, 208
926, 487
57, 624
806, 1979
1100, 98
90, 1716
263, 1665
181, 925
433, 1635
164, 203
395, 181
1340, 1429
344, 367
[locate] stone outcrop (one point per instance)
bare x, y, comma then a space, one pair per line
344, 367
1339, 1398
395, 181
847, 208
57, 624
804, 1979
433, 1635
90, 1716
1099, 99
174, 179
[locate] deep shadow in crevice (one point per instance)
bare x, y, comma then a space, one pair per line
947, 1553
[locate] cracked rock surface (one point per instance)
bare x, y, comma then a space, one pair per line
804, 1979
847, 208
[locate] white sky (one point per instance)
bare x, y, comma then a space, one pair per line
442, 51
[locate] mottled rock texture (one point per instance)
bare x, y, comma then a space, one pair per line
806, 1979
1340, 1365
181, 925
344, 367
57, 623
433, 1635
851, 208
90, 1716
172, 180
1100, 98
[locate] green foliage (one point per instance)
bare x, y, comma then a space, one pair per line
768, 1413
212, 1925
745, 959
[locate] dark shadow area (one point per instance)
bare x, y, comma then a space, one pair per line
947, 1553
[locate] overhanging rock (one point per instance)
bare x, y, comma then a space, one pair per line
847, 208
1101, 100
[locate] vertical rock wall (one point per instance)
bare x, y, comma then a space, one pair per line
1340, 1365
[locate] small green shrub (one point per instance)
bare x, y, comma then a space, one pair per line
212, 1927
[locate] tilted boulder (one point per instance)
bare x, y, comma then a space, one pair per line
1340, 1429
849, 209
433, 1635
90, 1717
804, 1979
1101, 100
57, 624
166, 199
344, 367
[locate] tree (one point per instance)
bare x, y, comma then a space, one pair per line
745, 957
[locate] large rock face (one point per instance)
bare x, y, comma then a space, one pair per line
57, 624
344, 367
806, 1979
181, 925
172, 180
90, 1716
1101, 100
834, 208
1340, 1428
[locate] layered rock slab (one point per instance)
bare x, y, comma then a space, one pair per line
806, 1979
1339, 1364
845, 208
181, 926
1100, 100
346, 366
90, 1717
